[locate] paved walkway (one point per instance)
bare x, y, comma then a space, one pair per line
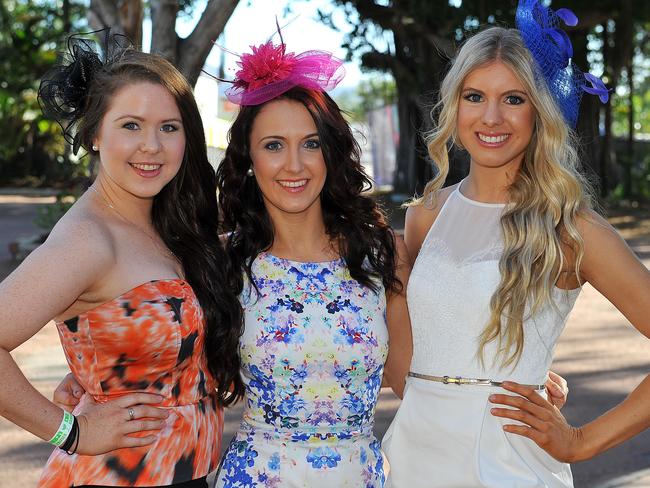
602, 357
639, 479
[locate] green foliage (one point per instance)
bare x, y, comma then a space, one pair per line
371, 93
639, 168
377, 92
49, 215
31, 33
414, 41
641, 104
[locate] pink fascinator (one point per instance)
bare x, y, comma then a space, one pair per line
269, 71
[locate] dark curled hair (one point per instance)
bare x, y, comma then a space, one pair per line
352, 219
185, 212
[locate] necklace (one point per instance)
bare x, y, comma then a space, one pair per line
165, 250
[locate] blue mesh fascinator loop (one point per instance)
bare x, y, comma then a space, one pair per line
541, 30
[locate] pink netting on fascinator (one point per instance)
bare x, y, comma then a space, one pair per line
269, 71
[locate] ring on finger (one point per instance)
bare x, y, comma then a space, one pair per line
131, 413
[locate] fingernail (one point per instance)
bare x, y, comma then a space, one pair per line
493, 398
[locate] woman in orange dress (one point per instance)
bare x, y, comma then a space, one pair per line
134, 277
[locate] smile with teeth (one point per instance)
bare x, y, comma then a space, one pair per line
146, 167
292, 184
492, 139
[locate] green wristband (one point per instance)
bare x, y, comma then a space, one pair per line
64, 430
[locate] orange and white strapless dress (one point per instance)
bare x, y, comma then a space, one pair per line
150, 339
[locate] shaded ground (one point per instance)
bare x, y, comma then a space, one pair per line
602, 357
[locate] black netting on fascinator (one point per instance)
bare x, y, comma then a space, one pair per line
63, 91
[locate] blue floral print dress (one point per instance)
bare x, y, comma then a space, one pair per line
313, 353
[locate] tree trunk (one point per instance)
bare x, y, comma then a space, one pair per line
629, 160
164, 40
590, 142
589, 119
604, 162
189, 54
405, 179
195, 48
131, 13
102, 14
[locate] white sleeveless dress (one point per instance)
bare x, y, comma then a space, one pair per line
443, 435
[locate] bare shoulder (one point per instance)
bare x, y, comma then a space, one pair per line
604, 248
78, 253
420, 218
84, 236
592, 225
613, 269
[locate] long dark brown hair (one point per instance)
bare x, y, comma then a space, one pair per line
352, 219
185, 212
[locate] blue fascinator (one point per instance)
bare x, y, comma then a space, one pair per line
541, 30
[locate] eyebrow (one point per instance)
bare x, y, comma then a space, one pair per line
313, 134
128, 116
507, 92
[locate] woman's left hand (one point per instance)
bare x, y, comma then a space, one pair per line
543, 422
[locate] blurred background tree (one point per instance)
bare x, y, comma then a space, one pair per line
414, 41
31, 148
187, 54
404, 45
33, 32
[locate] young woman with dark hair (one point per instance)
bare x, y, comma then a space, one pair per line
320, 275
353, 221
135, 277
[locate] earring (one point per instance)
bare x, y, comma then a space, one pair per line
249, 172
95, 148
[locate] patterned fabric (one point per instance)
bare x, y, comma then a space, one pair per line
150, 339
313, 354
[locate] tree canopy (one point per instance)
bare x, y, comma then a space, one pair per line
31, 33
414, 40
187, 54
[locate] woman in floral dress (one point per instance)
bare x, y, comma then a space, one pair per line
320, 282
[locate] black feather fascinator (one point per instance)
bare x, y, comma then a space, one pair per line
63, 92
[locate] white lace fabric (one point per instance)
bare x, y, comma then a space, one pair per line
449, 292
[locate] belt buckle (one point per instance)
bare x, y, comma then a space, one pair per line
453, 380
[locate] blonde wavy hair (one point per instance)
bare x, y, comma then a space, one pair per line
545, 197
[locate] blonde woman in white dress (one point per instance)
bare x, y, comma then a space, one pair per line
499, 262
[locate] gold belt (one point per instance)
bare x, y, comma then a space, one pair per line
457, 380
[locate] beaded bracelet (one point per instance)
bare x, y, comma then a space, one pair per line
64, 429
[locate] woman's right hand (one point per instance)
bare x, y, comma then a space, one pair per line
68, 393
104, 427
